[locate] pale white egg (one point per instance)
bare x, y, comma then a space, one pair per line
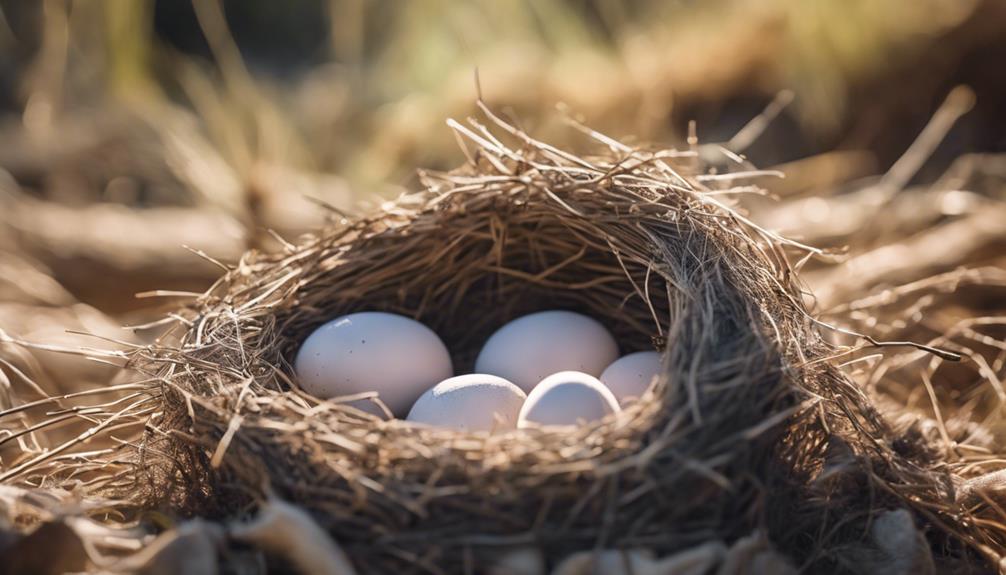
474, 402
532, 347
631, 375
567, 398
395, 356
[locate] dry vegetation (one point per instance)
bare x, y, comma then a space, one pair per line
814, 413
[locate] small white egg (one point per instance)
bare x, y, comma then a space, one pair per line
395, 356
631, 375
567, 398
532, 347
474, 402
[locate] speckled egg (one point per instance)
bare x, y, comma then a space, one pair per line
532, 347
474, 402
395, 356
567, 398
631, 375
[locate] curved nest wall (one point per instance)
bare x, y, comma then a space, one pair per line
751, 426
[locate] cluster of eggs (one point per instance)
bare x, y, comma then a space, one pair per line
546, 368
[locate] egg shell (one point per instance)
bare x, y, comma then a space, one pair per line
474, 402
567, 398
631, 375
532, 347
395, 356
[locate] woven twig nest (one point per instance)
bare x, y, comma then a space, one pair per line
751, 426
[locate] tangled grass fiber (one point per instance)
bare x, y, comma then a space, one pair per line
752, 425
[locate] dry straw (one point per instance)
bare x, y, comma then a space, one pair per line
752, 425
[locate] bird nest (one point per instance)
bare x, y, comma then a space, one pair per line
751, 425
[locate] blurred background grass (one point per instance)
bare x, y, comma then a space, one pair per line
132, 128
360, 88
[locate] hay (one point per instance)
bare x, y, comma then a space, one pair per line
751, 427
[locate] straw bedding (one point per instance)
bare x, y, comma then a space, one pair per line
751, 427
